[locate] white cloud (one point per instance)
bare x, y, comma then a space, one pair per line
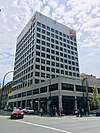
82, 15
46, 10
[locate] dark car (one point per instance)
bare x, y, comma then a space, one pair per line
17, 113
98, 113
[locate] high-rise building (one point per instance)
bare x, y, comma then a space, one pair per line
46, 69
45, 49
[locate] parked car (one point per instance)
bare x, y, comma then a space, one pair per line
98, 113
17, 113
28, 110
93, 111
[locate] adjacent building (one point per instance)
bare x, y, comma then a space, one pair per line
46, 69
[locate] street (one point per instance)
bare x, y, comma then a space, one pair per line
37, 124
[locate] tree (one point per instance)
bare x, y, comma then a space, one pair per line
95, 97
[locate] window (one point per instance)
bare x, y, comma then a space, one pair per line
61, 54
38, 35
48, 28
48, 69
66, 67
53, 63
37, 66
52, 46
52, 51
43, 31
70, 73
38, 24
48, 56
61, 49
52, 40
36, 91
43, 48
57, 47
48, 39
48, 33
37, 74
38, 29
52, 57
64, 35
43, 75
65, 61
53, 87
48, 50
61, 65
52, 30
62, 71
47, 75
37, 47
69, 87
57, 64
61, 59
57, 58
53, 76
37, 40
43, 54
43, 37
37, 59
60, 33
78, 88
57, 70
43, 68
57, 53
43, 42
52, 70
56, 31
43, 61
48, 62
52, 35
43, 89
66, 72
36, 81
43, 26
23, 94
48, 44
29, 93
69, 67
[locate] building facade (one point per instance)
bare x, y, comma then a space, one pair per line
46, 69
5, 92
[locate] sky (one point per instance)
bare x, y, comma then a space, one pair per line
81, 15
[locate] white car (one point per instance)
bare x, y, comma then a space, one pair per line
28, 110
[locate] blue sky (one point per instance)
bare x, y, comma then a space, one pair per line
81, 15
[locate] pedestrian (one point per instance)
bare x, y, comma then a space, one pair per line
81, 112
59, 112
41, 111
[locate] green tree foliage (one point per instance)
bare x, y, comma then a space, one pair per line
95, 97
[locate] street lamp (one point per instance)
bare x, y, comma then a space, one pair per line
84, 79
3, 86
83, 89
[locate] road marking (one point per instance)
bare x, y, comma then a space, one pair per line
1, 116
47, 127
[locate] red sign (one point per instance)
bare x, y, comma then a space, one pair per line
72, 34
33, 19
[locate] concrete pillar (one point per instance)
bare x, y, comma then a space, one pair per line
60, 101
25, 103
20, 103
48, 99
75, 97
59, 95
16, 104
75, 103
